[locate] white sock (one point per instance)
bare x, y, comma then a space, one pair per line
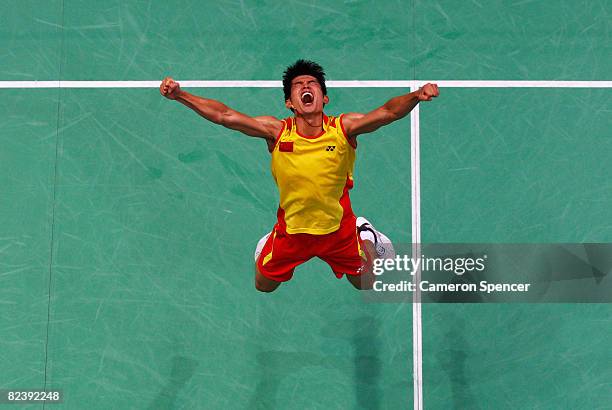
384, 247
260, 245
366, 236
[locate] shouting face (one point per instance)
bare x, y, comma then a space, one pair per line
306, 95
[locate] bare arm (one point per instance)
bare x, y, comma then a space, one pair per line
219, 113
393, 110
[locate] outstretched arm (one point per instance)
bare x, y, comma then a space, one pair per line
393, 110
219, 113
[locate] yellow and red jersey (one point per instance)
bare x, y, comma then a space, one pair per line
313, 175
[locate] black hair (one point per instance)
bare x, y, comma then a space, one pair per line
303, 67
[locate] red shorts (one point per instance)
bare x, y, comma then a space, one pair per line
341, 250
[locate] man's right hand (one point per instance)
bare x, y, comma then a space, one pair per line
219, 113
170, 88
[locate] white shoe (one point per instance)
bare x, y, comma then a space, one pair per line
382, 244
260, 245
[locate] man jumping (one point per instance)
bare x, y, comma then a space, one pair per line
312, 164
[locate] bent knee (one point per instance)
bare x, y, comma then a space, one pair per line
361, 282
264, 284
264, 287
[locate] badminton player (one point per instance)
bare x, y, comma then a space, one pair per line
312, 160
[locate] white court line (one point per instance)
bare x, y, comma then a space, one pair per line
417, 327
330, 83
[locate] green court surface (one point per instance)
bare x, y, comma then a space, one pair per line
128, 223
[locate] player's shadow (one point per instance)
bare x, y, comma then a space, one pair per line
361, 363
365, 339
182, 371
274, 367
453, 360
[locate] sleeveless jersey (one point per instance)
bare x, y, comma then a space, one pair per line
313, 175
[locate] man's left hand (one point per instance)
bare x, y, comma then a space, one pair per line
427, 92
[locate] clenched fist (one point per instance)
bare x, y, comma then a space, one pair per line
427, 92
170, 88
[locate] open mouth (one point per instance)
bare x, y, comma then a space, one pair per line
307, 97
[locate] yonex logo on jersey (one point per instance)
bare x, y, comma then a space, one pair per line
330, 148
